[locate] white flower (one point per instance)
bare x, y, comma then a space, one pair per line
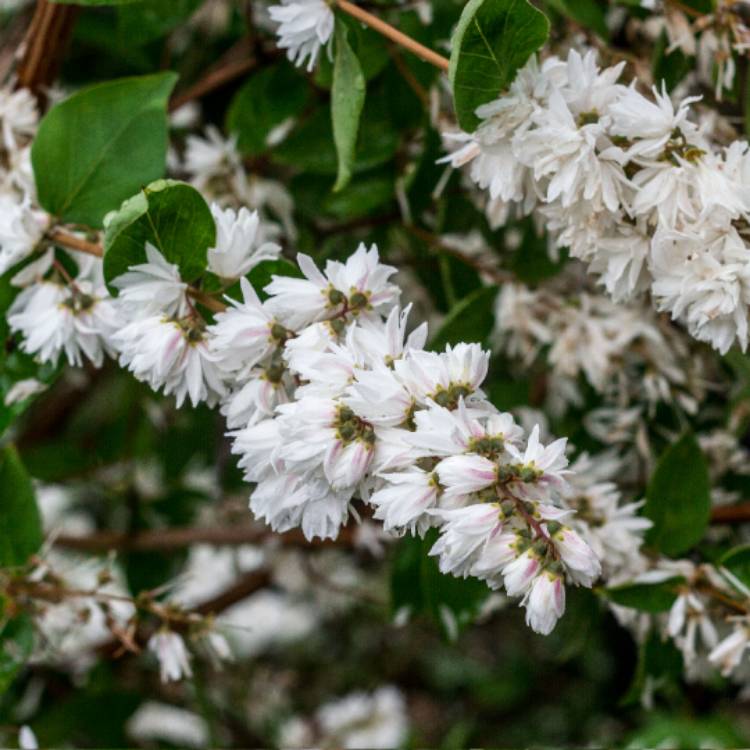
548, 463
18, 116
405, 499
323, 434
359, 286
288, 501
153, 721
21, 229
171, 354
305, 27
545, 603
27, 739
463, 535
519, 574
23, 389
258, 398
444, 377
212, 157
689, 614
580, 562
728, 654
359, 720
462, 475
152, 286
78, 320
244, 334
649, 123
239, 243
173, 656
703, 278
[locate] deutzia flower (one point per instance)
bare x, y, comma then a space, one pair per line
77, 318
174, 658
359, 286
245, 333
240, 245
405, 501
305, 27
545, 603
21, 229
728, 654
173, 354
153, 285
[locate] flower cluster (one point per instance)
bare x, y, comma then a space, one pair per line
628, 183
334, 401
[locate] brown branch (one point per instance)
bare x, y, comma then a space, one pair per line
61, 237
392, 33
237, 61
206, 300
238, 591
739, 513
44, 45
178, 538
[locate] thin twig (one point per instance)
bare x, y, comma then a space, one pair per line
178, 538
209, 302
44, 46
213, 80
739, 513
61, 237
392, 33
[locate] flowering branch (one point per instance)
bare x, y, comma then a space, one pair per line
393, 34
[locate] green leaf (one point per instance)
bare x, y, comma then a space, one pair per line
646, 597
470, 320
678, 498
591, 14
142, 22
94, 2
257, 108
659, 664
101, 145
419, 588
20, 524
16, 645
260, 276
347, 100
173, 217
737, 562
493, 39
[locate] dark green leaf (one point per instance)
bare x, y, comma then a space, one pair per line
470, 320
493, 39
142, 22
20, 525
678, 498
257, 108
646, 597
16, 644
419, 588
737, 562
101, 145
347, 100
173, 217
591, 14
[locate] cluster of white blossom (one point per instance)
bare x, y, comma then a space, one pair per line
334, 401
625, 352
628, 183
